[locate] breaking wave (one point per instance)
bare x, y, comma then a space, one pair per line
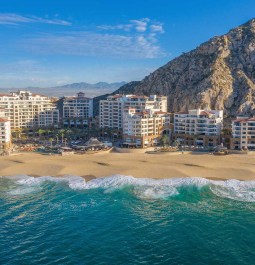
142, 187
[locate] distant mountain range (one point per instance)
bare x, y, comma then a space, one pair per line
91, 90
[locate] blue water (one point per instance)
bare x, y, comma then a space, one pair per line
123, 220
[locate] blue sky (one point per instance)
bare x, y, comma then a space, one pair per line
54, 42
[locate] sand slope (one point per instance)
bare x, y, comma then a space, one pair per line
138, 165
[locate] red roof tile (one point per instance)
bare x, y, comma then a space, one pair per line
3, 120
205, 113
117, 96
135, 96
245, 119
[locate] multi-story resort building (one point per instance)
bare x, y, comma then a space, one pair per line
111, 109
144, 128
24, 108
5, 131
198, 127
75, 111
49, 118
243, 133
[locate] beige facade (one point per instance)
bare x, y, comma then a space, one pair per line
49, 118
145, 128
243, 133
198, 127
111, 109
197, 140
5, 132
23, 108
75, 111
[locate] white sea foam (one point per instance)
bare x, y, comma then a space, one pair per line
22, 191
155, 191
235, 190
74, 182
147, 188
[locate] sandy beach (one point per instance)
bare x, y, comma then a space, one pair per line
240, 167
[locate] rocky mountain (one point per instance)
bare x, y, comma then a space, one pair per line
219, 74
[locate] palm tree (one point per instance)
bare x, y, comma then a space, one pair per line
57, 137
164, 140
51, 140
225, 136
195, 137
48, 131
25, 132
74, 133
176, 143
68, 131
62, 133
41, 132
24, 137
17, 133
226, 131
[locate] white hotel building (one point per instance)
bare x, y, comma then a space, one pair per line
75, 111
198, 127
49, 118
144, 128
243, 133
111, 110
25, 109
5, 131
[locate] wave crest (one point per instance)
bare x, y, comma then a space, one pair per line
148, 188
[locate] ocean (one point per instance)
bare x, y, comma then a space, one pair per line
124, 220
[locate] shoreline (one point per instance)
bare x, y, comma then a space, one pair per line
91, 177
138, 165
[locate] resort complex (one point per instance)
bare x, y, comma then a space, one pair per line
131, 121
124, 139
198, 127
112, 109
243, 132
75, 111
5, 131
24, 109
48, 118
144, 128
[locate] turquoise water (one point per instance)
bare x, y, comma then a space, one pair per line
123, 220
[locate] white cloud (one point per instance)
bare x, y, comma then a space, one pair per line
15, 19
139, 25
157, 28
125, 27
21, 66
134, 39
95, 44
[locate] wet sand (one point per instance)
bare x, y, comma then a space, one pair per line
240, 167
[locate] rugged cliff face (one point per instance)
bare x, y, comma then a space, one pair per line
219, 74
